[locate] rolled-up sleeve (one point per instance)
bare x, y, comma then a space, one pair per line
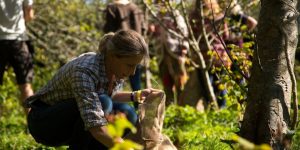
83, 84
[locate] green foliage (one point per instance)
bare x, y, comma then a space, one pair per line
296, 140
127, 145
187, 128
245, 144
296, 137
190, 129
116, 130
13, 128
64, 29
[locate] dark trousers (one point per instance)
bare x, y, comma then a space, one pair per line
16, 54
220, 93
135, 80
59, 125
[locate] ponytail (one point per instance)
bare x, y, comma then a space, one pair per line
105, 42
123, 43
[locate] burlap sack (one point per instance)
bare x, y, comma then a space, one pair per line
150, 123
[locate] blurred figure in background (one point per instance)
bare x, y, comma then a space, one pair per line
213, 50
240, 25
241, 31
13, 48
172, 51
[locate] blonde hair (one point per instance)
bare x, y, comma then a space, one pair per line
124, 43
211, 6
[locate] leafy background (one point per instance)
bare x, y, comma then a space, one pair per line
63, 29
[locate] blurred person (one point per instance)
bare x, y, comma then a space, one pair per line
213, 50
70, 109
172, 51
241, 31
239, 25
13, 48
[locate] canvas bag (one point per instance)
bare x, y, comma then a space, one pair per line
150, 124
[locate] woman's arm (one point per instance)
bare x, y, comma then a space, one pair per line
126, 96
122, 96
28, 13
251, 23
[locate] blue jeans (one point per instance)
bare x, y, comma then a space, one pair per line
220, 94
109, 106
135, 80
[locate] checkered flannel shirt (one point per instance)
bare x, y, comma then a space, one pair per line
83, 78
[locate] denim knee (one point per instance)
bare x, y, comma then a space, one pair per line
128, 110
106, 102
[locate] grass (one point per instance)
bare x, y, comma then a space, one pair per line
187, 128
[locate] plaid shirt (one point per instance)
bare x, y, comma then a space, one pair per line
82, 79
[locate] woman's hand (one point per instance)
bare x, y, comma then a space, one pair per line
145, 93
118, 140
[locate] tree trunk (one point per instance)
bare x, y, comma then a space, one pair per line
267, 117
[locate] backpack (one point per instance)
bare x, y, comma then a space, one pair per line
124, 17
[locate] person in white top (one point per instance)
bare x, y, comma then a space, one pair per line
123, 2
13, 48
